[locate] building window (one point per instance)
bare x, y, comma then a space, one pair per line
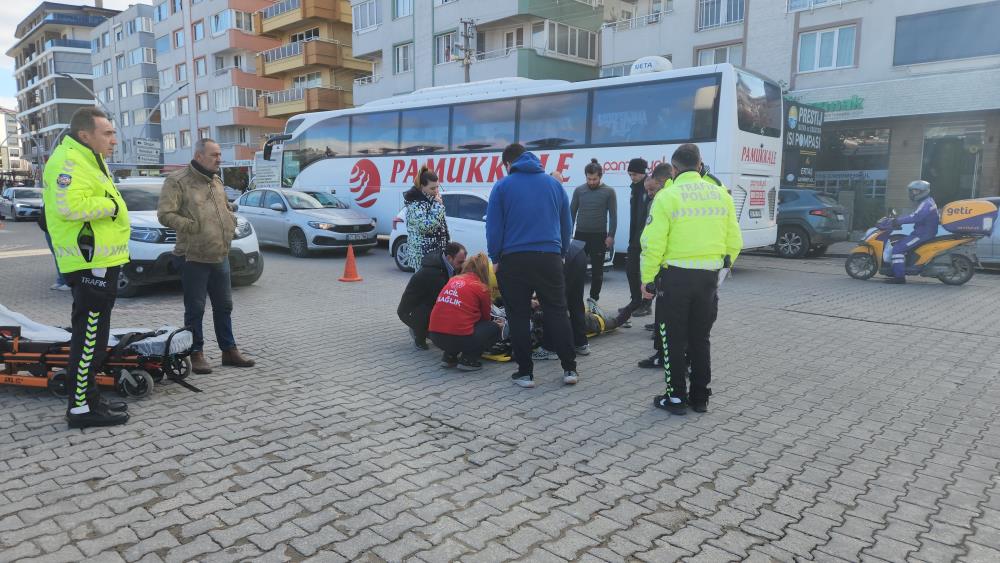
202, 101
160, 12
140, 116
220, 62
311, 80
145, 86
513, 39
365, 15
732, 54
200, 67
97, 71
443, 45
717, 13
126, 119
95, 45
204, 132
107, 67
198, 30
307, 35
232, 19
142, 24
402, 8
120, 62
176, 6
109, 94
621, 69
183, 106
106, 39
119, 33
854, 159
141, 55
169, 142
182, 72
235, 96
166, 77
163, 44
954, 33
185, 139
403, 58
178, 39
572, 41
122, 90
827, 49
169, 109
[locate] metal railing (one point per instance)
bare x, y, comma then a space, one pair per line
366, 80
75, 43
636, 22
294, 94
292, 49
800, 5
720, 13
279, 8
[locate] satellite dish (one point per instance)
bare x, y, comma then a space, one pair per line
651, 64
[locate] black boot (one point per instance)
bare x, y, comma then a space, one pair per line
108, 404
654, 361
98, 416
643, 310
669, 404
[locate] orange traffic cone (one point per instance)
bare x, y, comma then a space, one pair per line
351, 268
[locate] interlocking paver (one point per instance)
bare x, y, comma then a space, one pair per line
367, 449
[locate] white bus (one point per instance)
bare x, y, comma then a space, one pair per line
371, 154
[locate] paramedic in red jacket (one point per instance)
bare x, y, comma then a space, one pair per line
460, 321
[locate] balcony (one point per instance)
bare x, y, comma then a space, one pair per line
634, 23
71, 43
290, 14
294, 56
301, 100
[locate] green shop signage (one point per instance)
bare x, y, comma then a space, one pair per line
853, 103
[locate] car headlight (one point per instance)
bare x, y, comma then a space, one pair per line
321, 225
243, 228
147, 234
21, 205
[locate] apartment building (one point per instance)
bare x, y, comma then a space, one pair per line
413, 44
314, 60
206, 52
911, 89
11, 162
123, 60
52, 69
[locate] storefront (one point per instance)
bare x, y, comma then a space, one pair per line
878, 137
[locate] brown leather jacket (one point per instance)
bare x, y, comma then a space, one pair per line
195, 206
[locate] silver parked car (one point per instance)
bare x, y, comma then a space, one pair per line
21, 203
302, 223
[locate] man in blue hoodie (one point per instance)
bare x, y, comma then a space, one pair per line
528, 230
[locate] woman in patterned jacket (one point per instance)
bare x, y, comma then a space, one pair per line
426, 228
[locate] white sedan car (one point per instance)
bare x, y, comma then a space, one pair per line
466, 216
151, 245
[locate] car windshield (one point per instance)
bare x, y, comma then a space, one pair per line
828, 200
299, 200
328, 201
27, 194
140, 198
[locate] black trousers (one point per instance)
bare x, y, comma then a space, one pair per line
94, 294
595, 251
687, 305
633, 275
576, 278
418, 319
521, 275
484, 334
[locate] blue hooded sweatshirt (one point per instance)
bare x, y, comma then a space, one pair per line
528, 212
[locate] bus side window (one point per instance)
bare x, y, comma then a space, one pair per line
424, 130
657, 112
375, 134
485, 125
553, 121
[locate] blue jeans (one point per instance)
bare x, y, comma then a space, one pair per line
59, 277
203, 281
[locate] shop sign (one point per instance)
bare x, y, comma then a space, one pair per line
803, 136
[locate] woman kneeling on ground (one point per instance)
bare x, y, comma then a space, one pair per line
460, 321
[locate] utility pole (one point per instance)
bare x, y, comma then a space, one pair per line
468, 26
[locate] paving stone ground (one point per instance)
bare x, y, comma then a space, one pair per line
850, 421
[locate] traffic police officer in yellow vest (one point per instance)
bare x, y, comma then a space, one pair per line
87, 219
692, 233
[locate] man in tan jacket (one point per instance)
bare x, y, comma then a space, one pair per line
193, 203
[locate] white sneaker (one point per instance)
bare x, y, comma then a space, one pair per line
543, 354
525, 381
583, 350
62, 287
55, 286
570, 378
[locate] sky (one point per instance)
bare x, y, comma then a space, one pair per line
10, 15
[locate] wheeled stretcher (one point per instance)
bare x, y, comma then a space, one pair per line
36, 355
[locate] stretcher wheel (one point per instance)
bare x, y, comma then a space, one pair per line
177, 368
141, 387
57, 384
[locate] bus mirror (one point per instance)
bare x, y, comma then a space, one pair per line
267, 151
269, 145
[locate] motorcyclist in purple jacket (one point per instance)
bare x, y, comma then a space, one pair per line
925, 221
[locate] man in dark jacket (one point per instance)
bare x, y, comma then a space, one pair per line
638, 209
528, 228
423, 289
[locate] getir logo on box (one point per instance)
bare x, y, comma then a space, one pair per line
365, 182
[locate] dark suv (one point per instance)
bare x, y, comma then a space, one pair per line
808, 222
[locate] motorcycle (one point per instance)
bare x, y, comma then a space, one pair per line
950, 258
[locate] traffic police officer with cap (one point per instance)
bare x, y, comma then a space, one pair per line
692, 233
87, 219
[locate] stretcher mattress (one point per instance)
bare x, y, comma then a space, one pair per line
39, 333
